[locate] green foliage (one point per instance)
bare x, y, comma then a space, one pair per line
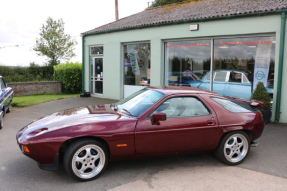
31, 73
70, 74
60, 47
260, 94
157, 3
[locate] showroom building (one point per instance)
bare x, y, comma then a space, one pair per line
239, 42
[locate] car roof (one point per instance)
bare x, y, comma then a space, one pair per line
228, 70
179, 90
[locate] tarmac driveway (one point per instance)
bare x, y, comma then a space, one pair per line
264, 169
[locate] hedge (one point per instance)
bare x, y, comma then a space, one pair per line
31, 73
70, 74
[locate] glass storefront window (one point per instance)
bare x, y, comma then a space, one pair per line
186, 62
246, 62
239, 64
97, 50
137, 64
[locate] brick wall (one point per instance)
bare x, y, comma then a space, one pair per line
30, 88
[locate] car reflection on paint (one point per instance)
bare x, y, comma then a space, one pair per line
151, 122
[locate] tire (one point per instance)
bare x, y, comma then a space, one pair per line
9, 109
1, 122
240, 148
86, 159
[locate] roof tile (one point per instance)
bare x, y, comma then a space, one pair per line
193, 10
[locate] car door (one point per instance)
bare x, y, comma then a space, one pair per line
2, 93
5, 93
219, 82
189, 126
238, 86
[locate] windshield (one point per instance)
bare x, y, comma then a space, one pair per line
139, 102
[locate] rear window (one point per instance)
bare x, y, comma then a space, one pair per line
234, 106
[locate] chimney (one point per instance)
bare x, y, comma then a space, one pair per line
117, 10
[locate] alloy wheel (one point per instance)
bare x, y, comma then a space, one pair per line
236, 148
88, 161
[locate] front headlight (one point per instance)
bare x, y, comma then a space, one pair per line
42, 131
38, 132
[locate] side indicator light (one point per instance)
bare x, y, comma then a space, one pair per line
26, 150
122, 145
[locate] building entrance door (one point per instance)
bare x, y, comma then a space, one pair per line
97, 77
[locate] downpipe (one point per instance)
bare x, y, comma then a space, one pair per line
280, 68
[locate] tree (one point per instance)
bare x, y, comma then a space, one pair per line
54, 43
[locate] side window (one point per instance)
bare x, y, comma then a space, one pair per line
233, 106
2, 84
220, 76
208, 77
235, 77
245, 79
182, 107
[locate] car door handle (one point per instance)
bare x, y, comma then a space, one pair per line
210, 122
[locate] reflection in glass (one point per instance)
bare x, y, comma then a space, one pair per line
137, 64
98, 71
246, 61
186, 62
97, 50
137, 103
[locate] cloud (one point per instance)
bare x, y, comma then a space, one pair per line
21, 21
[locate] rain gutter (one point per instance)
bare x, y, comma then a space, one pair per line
280, 67
83, 63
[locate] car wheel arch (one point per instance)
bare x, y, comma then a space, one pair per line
248, 132
68, 142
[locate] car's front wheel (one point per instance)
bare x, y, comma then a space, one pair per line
84, 160
9, 108
233, 148
2, 121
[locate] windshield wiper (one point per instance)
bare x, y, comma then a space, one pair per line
127, 111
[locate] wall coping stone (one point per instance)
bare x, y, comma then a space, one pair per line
27, 83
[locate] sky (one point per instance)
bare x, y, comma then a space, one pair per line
20, 23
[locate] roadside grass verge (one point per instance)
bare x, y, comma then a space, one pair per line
29, 100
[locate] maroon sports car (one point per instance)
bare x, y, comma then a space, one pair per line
152, 122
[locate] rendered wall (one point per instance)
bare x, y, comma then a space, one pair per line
112, 42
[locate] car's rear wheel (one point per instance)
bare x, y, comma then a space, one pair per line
85, 160
233, 148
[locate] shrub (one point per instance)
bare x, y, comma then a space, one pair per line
260, 94
31, 73
70, 74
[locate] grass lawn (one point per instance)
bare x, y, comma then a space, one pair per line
24, 101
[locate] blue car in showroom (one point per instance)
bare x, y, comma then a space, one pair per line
6, 96
231, 83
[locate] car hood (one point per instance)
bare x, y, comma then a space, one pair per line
71, 117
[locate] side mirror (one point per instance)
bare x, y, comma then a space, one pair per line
155, 118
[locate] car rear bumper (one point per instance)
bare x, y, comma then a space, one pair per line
51, 167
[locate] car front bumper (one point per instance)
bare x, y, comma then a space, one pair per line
51, 167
